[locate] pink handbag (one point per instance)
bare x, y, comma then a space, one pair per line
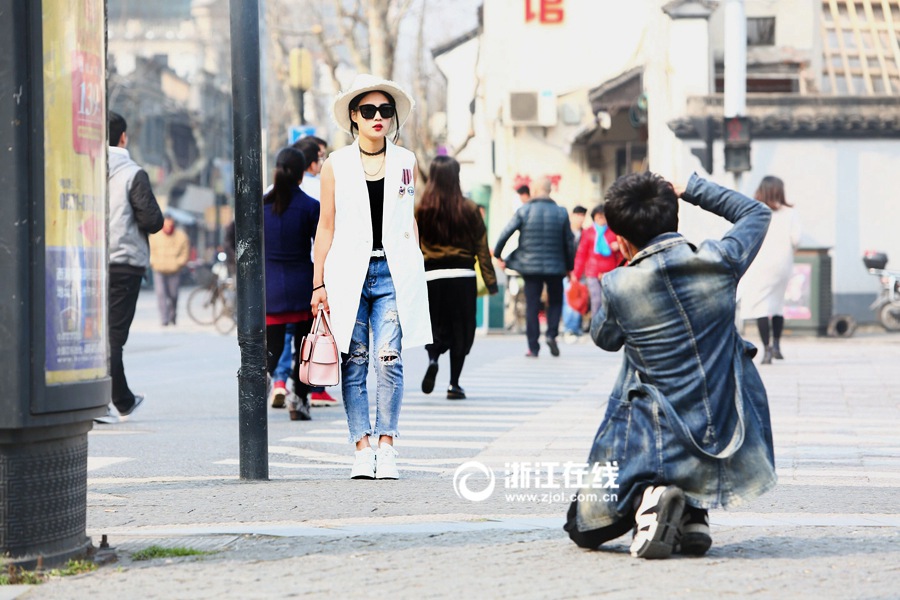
319, 360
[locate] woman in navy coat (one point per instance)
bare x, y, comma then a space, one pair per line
290, 221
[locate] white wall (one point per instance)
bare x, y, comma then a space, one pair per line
796, 22
677, 66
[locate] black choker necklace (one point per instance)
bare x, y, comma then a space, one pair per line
383, 148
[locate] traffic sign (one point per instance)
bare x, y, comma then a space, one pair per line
295, 132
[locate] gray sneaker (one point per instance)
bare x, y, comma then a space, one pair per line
138, 400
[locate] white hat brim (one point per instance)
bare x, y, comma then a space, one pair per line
364, 84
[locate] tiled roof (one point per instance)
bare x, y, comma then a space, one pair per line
793, 116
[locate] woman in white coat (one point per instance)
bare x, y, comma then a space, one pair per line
369, 272
763, 285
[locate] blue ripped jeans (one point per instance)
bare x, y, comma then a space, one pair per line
378, 311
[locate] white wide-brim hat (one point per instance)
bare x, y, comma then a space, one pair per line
363, 84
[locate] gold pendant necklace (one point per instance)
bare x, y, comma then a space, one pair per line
378, 170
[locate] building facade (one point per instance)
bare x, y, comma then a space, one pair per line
588, 90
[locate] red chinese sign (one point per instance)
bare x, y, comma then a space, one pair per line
548, 12
554, 180
519, 180
87, 104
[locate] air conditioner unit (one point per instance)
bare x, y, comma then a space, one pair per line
531, 108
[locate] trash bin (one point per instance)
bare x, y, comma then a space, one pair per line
53, 343
808, 298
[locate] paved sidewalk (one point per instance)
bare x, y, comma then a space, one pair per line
831, 529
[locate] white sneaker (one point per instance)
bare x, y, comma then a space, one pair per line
364, 465
386, 463
110, 418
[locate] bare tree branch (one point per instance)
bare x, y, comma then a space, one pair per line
422, 142
348, 32
397, 15
180, 175
470, 134
325, 45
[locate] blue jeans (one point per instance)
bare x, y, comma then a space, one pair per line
571, 318
596, 292
378, 311
283, 370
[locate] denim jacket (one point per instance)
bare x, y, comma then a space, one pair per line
673, 309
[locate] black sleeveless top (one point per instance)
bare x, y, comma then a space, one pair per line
376, 205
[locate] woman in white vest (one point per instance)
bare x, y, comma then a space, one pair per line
369, 272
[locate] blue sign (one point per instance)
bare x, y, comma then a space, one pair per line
295, 132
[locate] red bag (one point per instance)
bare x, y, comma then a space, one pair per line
578, 297
318, 353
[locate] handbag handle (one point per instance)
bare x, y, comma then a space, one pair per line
321, 317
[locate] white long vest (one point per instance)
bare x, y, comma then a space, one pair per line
348, 259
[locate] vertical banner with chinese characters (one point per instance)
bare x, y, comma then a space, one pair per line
74, 61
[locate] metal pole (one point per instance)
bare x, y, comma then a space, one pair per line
251, 305
735, 99
301, 112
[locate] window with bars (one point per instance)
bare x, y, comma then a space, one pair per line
861, 44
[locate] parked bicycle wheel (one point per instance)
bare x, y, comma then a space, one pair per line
889, 315
226, 319
204, 305
225, 322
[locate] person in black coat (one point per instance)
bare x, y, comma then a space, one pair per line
546, 253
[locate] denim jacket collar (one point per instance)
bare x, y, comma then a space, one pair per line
660, 243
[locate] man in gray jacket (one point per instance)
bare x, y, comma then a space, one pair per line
546, 253
133, 215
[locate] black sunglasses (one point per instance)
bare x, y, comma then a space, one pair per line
368, 110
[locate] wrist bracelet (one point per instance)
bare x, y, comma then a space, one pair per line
318, 287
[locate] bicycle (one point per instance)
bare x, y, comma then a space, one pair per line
213, 303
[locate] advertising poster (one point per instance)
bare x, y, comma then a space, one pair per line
798, 295
74, 73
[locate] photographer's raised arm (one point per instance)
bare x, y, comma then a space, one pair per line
750, 217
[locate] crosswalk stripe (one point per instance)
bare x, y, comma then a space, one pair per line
431, 422
462, 420
347, 459
498, 426
410, 443
98, 462
407, 408
407, 433
296, 466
